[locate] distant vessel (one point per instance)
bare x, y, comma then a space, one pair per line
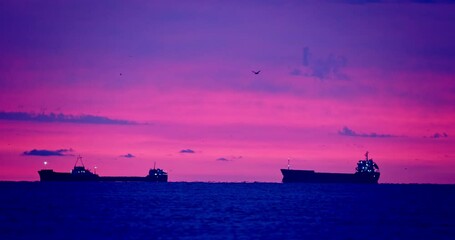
80, 173
367, 171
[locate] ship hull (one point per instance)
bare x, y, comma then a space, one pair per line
309, 176
51, 176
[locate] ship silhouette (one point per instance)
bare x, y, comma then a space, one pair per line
80, 173
367, 171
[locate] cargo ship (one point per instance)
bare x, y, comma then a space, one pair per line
80, 173
367, 171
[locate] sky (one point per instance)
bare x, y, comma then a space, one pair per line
127, 84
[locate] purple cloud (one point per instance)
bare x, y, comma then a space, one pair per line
229, 159
46, 153
187, 151
329, 67
60, 117
439, 135
351, 133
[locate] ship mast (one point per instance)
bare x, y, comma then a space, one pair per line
79, 158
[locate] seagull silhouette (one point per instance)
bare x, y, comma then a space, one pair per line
256, 72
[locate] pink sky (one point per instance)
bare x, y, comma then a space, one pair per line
178, 76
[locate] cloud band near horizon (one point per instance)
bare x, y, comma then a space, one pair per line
351, 133
60, 117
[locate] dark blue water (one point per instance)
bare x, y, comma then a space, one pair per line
35, 210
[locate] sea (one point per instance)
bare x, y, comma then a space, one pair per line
197, 210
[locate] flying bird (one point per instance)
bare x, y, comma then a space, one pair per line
256, 72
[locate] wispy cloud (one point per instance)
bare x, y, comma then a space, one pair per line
43, 152
439, 135
60, 117
224, 159
187, 151
351, 133
296, 72
128, 155
329, 67
306, 56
